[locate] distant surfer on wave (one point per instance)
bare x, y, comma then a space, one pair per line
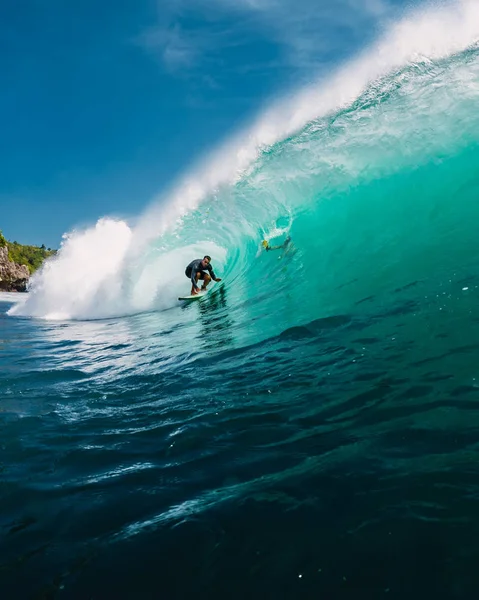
200, 269
284, 245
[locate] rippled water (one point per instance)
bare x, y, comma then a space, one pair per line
337, 458
310, 428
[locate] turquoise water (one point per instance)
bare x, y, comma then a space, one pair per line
309, 428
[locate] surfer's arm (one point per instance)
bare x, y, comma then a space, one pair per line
194, 270
212, 273
193, 281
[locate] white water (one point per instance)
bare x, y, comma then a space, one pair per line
12, 297
98, 274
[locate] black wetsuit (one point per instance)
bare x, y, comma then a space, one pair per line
194, 267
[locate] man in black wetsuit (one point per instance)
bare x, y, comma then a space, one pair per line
200, 269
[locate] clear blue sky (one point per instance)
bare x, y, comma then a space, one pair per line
103, 103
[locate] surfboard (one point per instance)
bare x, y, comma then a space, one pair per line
195, 297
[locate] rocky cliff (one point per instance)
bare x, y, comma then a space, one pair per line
13, 277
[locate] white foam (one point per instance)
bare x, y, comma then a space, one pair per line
12, 297
100, 273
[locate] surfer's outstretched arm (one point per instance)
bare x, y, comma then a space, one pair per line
213, 274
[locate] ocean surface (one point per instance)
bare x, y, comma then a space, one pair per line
309, 428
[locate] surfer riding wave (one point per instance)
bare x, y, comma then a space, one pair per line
200, 268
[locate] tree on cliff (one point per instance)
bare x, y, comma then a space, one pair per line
31, 256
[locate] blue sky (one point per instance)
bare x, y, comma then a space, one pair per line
103, 104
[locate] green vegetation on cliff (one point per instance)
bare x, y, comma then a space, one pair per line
31, 256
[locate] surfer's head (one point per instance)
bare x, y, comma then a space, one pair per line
265, 244
206, 260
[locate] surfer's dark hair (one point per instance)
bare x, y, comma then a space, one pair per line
208, 257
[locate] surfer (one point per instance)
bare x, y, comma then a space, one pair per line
200, 269
284, 245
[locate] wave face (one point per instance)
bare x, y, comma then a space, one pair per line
375, 195
376, 191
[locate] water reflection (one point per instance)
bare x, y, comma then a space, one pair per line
215, 320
